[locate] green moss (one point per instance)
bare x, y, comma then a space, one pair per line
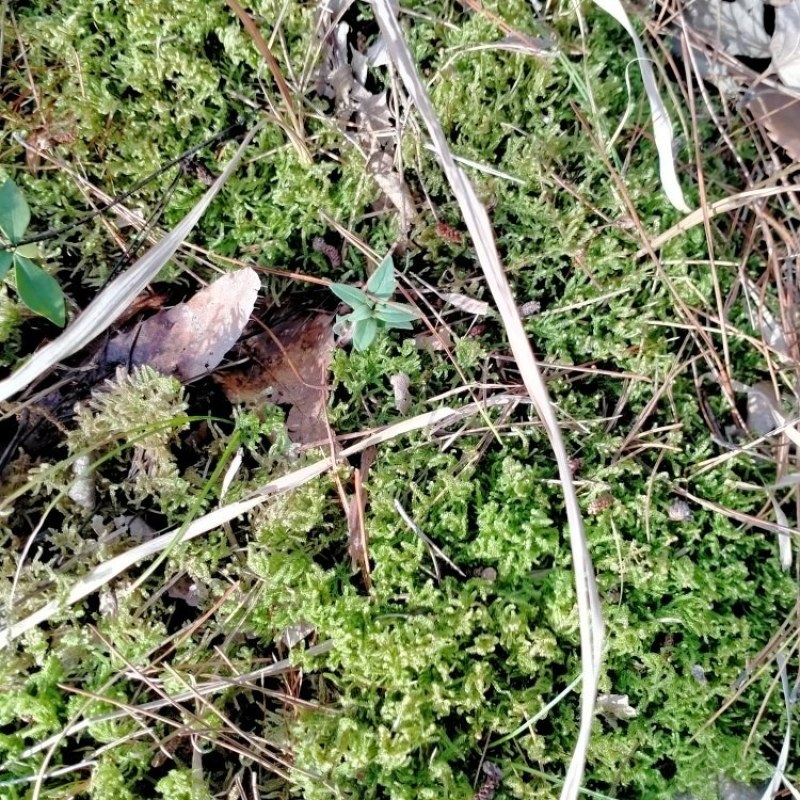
181, 784
429, 669
109, 782
144, 411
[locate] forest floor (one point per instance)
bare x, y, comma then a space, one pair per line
284, 510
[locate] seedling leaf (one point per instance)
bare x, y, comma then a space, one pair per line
350, 295
364, 332
396, 315
362, 312
382, 282
14, 212
5, 262
30, 250
39, 291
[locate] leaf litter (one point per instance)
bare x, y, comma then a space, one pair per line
288, 365
342, 78
356, 507
735, 27
738, 29
191, 338
185, 341
785, 44
285, 346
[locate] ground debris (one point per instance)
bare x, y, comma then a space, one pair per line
779, 114
785, 43
615, 706
342, 77
491, 783
288, 365
191, 338
402, 396
735, 27
188, 590
356, 506
463, 302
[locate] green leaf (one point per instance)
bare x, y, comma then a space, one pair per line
39, 291
30, 250
14, 212
364, 332
6, 257
396, 315
360, 313
382, 282
350, 295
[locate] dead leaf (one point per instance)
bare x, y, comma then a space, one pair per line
679, 511
480, 308
434, 342
762, 401
82, 490
190, 591
779, 113
149, 300
762, 318
785, 553
785, 44
294, 634
289, 365
377, 55
373, 115
191, 338
736, 27
402, 397
343, 77
729, 789
392, 184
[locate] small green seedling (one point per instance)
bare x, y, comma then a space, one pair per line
39, 291
372, 309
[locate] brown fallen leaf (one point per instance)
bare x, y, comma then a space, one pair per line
192, 592
779, 113
289, 365
191, 338
392, 184
343, 76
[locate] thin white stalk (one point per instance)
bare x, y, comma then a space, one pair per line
477, 220
119, 294
104, 573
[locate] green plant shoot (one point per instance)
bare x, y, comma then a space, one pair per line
38, 290
372, 308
